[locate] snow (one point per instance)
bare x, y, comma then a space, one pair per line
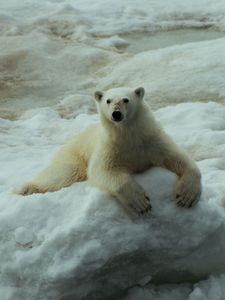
174, 74
78, 242
51, 50
23, 236
52, 241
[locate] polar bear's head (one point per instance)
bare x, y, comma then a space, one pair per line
119, 104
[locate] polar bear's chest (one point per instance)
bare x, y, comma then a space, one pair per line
136, 161
131, 156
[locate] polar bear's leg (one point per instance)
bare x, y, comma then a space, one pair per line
133, 196
188, 186
59, 174
122, 186
188, 189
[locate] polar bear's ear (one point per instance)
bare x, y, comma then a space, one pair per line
98, 95
140, 92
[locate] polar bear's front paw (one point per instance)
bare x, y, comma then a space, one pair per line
139, 204
188, 191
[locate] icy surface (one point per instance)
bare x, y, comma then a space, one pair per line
52, 50
80, 242
23, 236
53, 56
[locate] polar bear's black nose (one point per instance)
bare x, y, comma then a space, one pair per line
117, 116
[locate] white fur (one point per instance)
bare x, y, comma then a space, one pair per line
107, 154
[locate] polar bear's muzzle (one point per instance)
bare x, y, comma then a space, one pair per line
117, 116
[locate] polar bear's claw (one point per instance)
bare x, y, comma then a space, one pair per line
188, 189
143, 205
146, 211
189, 196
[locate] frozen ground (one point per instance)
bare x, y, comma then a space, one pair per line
79, 242
53, 56
51, 50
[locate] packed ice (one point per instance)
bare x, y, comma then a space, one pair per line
78, 243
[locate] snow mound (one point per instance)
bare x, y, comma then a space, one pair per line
78, 243
171, 75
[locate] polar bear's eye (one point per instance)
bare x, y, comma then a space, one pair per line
108, 101
125, 100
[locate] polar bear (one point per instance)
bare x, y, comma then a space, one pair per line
127, 140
